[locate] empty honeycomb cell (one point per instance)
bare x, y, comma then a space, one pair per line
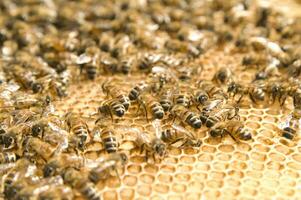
294, 165
193, 196
283, 149
254, 174
266, 191
199, 176
217, 175
205, 157
266, 141
226, 148
259, 157
130, 180
253, 125
236, 174
274, 165
151, 168
211, 194
113, 182
184, 168
243, 147
110, 195
265, 133
269, 126
165, 178
155, 197
167, 169
251, 182
288, 192
175, 197
297, 157
238, 165
179, 187
182, 177
270, 119
187, 159
254, 118
191, 151
219, 166
223, 156
261, 148
144, 190
208, 149
277, 157
287, 181
249, 191
161, 188
134, 169
147, 178
215, 183
256, 165
171, 160
127, 193
240, 156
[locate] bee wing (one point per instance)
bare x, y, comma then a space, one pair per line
183, 130
157, 125
83, 59
286, 122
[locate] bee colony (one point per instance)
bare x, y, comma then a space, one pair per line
149, 99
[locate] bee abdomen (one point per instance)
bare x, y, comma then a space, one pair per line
288, 133
91, 72
125, 101
118, 108
193, 120
89, 191
134, 93
109, 142
157, 110
166, 104
8, 157
183, 100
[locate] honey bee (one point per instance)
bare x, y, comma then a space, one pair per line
110, 89
255, 91
181, 98
147, 61
166, 100
13, 137
289, 128
57, 192
91, 70
112, 107
26, 78
297, 100
263, 16
173, 134
8, 157
186, 116
104, 168
209, 107
137, 90
223, 76
201, 97
78, 127
151, 144
234, 128
212, 90
108, 64
58, 163
106, 42
75, 178
255, 60
149, 103
41, 148
276, 91
126, 64
294, 69
226, 112
108, 136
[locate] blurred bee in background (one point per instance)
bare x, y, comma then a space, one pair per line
13, 137
78, 182
8, 157
234, 128
212, 90
39, 147
151, 144
200, 97
57, 192
127, 64
223, 76
186, 116
58, 163
111, 89
106, 42
254, 59
294, 69
276, 91
108, 64
182, 98
178, 136
104, 168
78, 126
255, 91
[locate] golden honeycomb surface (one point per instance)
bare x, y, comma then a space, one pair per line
268, 167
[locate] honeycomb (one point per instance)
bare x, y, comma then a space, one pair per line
268, 167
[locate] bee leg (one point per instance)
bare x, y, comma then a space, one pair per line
240, 98
198, 107
252, 99
231, 135
117, 174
